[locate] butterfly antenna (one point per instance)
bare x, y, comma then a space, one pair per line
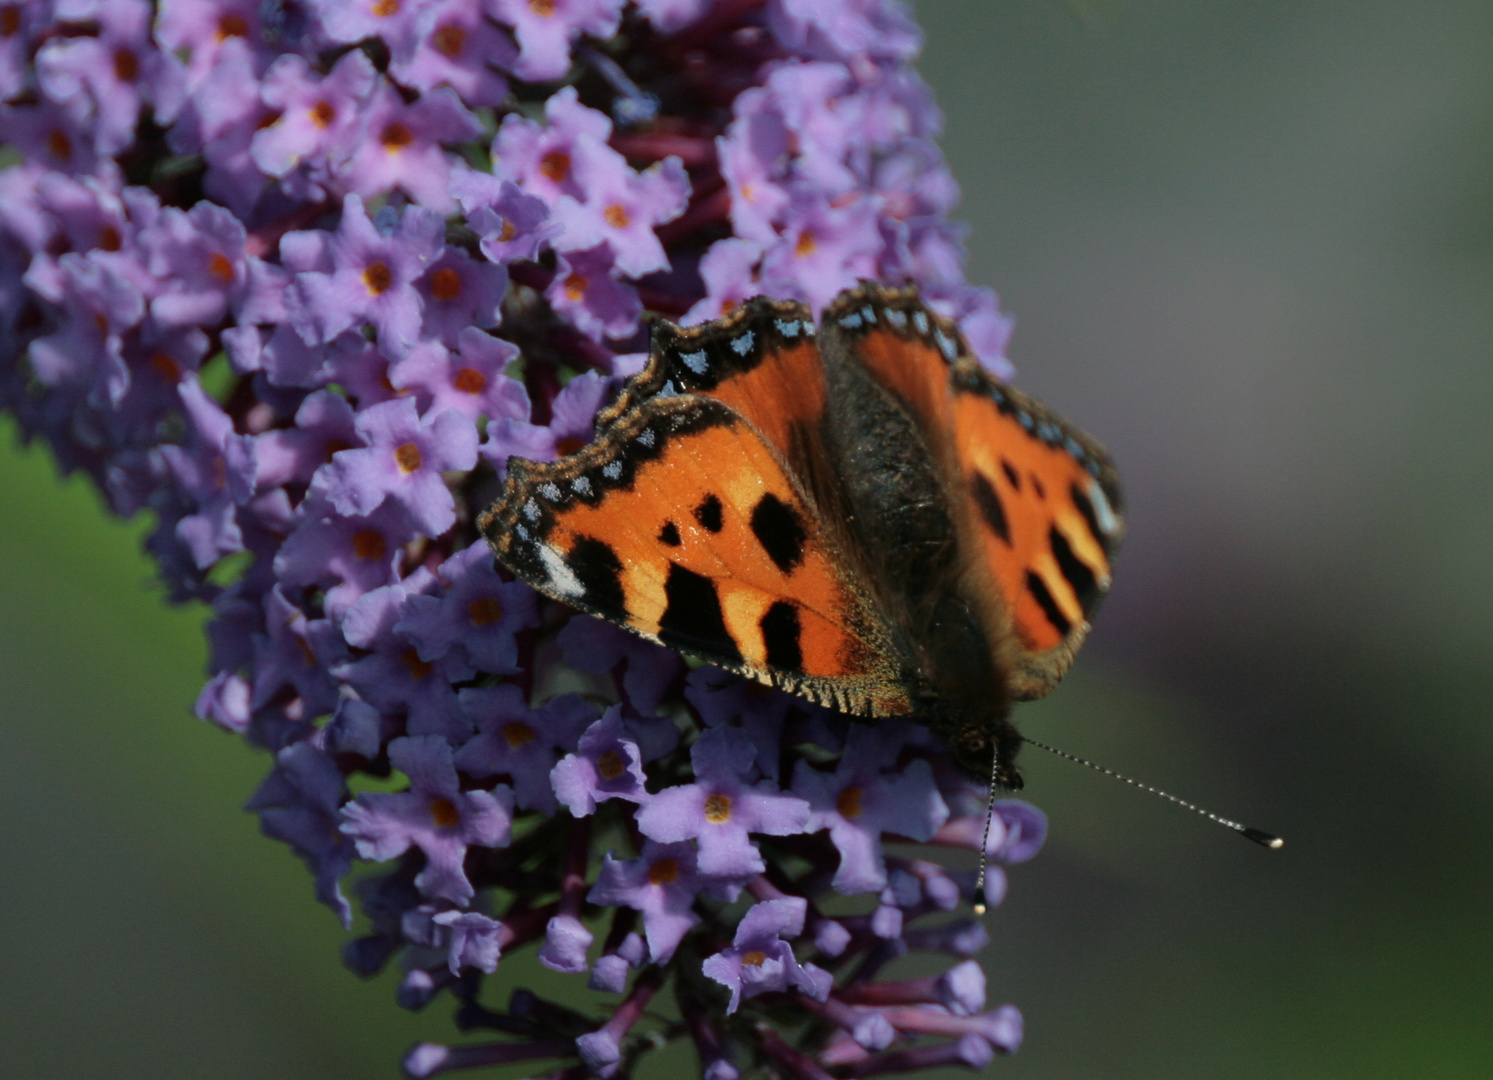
995, 764
1259, 836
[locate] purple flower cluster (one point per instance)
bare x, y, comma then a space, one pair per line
297, 278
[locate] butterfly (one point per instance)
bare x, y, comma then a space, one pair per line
858, 513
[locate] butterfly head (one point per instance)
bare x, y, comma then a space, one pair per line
988, 752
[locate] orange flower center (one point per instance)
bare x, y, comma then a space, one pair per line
470, 381
418, 668
663, 872
232, 25
545, 8
383, 9
507, 232
555, 165
369, 544
166, 367
109, 238
484, 611
396, 137
449, 40
219, 267
568, 445
575, 287
445, 283
444, 813
126, 65
754, 959
805, 245
377, 278
408, 457
616, 216
517, 734
848, 803
718, 809
60, 145
323, 113
610, 765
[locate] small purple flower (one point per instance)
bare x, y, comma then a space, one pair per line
606, 765
468, 379
451, 44
402, 146
317, 118
476, 940
586, 291
621, 207
866, 797
433, 815
349, 556
720, 810
512, 225
523, 744
545, 29
461, 293
662, 883
298, 804
479, 613
760, 959
370, 278
729, 270
403, 459
392, 675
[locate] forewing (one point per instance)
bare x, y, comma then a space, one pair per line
683, 524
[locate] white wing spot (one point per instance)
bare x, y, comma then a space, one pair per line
695, 361
562, 577
868, 313
897, 318
550, 492
531, 510
789, 328
743, 344
920, 320
946, 345
612, 470
1104, 514
522, 532
581, 485
851, 321
646, 437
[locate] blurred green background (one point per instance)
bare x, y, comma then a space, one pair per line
1250, 247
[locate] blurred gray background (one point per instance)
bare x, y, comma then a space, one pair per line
1250, 247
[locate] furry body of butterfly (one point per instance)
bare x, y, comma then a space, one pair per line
862, 516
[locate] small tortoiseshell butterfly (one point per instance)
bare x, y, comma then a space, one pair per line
862, 516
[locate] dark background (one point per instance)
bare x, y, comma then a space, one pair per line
1248, 246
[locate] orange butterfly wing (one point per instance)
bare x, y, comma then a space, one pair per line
1036, 503
682, 523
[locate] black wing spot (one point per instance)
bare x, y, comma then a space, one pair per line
1012, 476
1038, 588
990, 505
781, 633
778, 530
710, 514
597, 567
1085, 585
669, 534
692, 618
1038, 486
